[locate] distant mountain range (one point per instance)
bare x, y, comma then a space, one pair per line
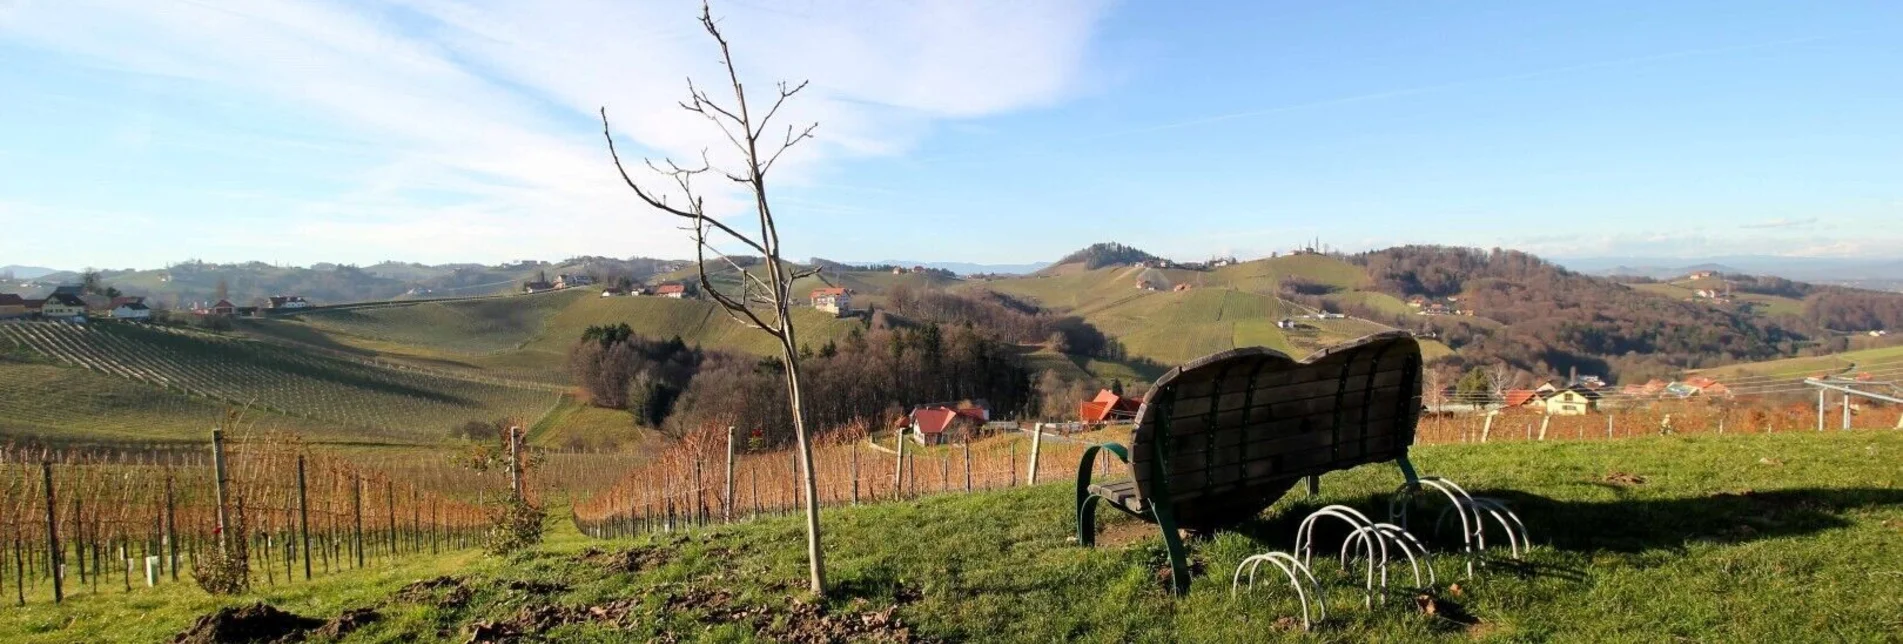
1810, 269
963, 268
27, 272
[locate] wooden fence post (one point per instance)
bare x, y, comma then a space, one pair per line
1486, 430
967, 465
356, 509
171, 524
52, 532
389, 496
726, 503
898, 474
1545, 420
1608, 426
218, 471
303, 518
1037, 441
855, 472
515, 462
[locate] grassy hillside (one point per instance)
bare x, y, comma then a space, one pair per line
474, 327
395, 404
1763, 538
51, 403
1888, 361
1224, 308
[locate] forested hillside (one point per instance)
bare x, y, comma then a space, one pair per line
1545, 319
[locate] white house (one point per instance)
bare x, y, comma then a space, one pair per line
836, 301
132, 311
286, 302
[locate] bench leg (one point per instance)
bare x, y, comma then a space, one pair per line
1173, 542
1087, 502
1314, 484
1087, 521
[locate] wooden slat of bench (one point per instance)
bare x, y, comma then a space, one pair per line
1191, 407
1215, 482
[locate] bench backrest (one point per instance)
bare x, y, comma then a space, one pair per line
1236, 429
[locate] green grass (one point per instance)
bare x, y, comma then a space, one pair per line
67, 404
1886, 357
395, 405
576, 424
1761, 538
471, 327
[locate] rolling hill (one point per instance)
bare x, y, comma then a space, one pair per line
357, 397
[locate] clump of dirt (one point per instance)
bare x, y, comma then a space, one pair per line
348, 622
1165, 574
1444, 608
631, 560
539, 618
808, 622
259, 622
533, 587
455, 595
1625, 478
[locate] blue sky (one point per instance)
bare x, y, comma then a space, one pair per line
142, 132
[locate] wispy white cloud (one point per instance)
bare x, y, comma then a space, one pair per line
1782, 222
469, 124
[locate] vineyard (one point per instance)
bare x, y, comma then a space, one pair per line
107, 521
697, 481
397, 404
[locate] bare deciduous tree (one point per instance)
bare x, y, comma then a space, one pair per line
748, 133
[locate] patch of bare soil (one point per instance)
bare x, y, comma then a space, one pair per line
348, 622
259, 622
445, 591
1444, 608
810, 623
1165, 573
531, 587
631, 560
1117, 534
1625, 478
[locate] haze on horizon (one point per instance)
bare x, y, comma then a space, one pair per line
143, 133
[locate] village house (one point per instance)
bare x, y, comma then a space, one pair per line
288, 302
132, 310
1417, 301
220, 308
1107, 406
1516, 398
566, 280
537, 286
1571, 401
934, 424
676, 291
834, 300
12, 306
63, 305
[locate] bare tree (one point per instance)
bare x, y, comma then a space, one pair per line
1499, 378
748, 133
1434, 388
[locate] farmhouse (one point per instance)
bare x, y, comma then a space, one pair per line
12, 306
676, 291
63, 305
836, 300
566, 280
222, 307
135, 310
1520, 398
1571, 401
932, 424
288, 302
537, 286
1107, 406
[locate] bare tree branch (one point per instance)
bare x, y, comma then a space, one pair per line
784, 94
661, 204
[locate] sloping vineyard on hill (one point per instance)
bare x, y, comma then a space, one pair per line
402, 404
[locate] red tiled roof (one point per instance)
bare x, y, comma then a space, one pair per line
1700, 382
671, 288
820, 292
934, 421
1517, 397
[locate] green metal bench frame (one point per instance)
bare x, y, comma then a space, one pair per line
1156, 500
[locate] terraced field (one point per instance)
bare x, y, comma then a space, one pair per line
396, 404
54, 403
470, 327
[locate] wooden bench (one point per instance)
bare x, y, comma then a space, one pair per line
1221, 438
